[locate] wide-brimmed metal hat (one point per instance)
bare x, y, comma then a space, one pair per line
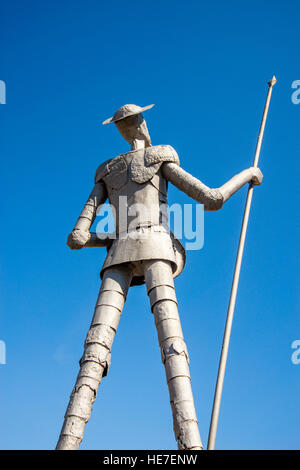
127, 110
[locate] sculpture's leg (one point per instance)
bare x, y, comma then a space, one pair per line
95, 361
160, 287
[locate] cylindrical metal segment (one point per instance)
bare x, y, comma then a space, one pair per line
159, 293
174, 353
95, 361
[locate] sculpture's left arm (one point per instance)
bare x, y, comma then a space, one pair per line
80, 234
212, 198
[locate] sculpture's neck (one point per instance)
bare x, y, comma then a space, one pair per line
137, 144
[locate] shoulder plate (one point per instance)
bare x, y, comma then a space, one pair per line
113, 172
102, 171
144, 165
143, 170
160, 154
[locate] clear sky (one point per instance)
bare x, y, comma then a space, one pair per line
69, 65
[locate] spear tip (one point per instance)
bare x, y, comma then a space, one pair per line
272, 81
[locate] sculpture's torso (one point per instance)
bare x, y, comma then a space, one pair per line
136, 204
137, 191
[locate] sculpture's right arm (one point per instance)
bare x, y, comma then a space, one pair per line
212, 198
81, 232
193, 187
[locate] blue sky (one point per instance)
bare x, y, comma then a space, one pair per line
67, 67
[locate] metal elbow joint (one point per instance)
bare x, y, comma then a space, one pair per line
215, 200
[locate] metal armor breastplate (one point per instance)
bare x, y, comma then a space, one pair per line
136, 187
138, 192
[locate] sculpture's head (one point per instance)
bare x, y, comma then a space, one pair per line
131, 124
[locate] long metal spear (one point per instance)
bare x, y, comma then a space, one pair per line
235, 282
